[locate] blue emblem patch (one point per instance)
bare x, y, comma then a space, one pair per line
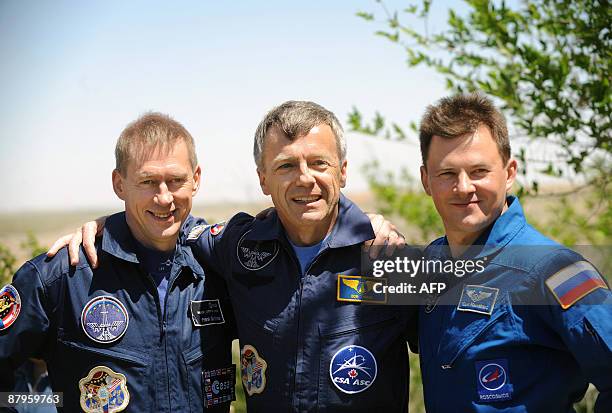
104, 319
356, 288
478, 299
493, 380
353, 369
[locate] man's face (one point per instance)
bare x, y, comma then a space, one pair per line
157, 192
468, 182
303, 176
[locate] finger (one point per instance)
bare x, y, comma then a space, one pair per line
89, 242
58, 245
392, 243
402, 242
376, 220
73, 247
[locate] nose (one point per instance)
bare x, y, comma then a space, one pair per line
464, 184
164, 197
305, 177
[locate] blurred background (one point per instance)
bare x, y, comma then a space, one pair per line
73, 74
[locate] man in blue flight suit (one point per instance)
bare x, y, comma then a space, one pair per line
534, 327
145, 331
311, 333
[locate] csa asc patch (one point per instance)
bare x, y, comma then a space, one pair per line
196, 232
103, 390
493, 380
217, 228
104, 319
356, 288
10, 306
353, 369
255, 255
478, 299
206, 312
219, 385
574, 282
253, 370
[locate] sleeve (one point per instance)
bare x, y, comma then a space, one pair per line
24, 324
580, 311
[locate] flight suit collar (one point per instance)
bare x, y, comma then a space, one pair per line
352, 227
117, 240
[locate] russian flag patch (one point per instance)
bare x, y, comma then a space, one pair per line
574, 282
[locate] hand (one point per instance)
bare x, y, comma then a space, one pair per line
387, 236
86, 235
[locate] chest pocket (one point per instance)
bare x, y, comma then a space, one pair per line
471, 335
82, 358
364, 362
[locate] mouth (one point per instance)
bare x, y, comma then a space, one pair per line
162, 216
307, 199
465, 204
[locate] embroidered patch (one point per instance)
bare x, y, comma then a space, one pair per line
353, 369
493, 380
574, 282
219, 385
104, 319
255, 255
356, 288
10, 306
103, 390
253, 370
206, 312
478, 299
217, 228
196, 232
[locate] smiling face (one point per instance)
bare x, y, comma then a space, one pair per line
304, 177
468, 182
158, 192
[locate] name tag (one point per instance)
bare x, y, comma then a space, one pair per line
478, 299
206, 312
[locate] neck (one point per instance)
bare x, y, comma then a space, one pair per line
305, 235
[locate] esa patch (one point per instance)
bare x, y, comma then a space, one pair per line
103, 390
196, 232
478, 299
353, 369
253, 370
574, 282
10, 306
217, 228
219, 385
356, 288
104, 319
206, 312
493, 380
255, 255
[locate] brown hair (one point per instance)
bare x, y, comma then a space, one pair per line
296, 119
461, 114
150, 132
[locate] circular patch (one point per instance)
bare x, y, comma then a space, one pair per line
492, 376
104, 319
353, 369
10, 306
255, 255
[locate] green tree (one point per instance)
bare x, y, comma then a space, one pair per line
547, 64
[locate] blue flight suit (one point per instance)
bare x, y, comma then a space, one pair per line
159, 357
302, 348
500, 341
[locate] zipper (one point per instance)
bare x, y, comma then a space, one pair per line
468, 343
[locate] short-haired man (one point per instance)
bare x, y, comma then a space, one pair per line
530, 331
145, 331
311, 333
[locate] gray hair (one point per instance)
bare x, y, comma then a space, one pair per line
296, 118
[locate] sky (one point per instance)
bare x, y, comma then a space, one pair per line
73, 74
